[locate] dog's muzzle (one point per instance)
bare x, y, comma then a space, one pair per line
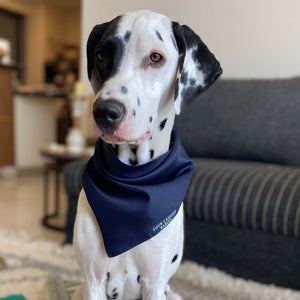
108, 114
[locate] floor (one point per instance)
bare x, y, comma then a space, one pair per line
21, 205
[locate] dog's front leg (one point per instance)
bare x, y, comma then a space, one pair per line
90, 253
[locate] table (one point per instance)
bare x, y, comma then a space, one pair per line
60, 157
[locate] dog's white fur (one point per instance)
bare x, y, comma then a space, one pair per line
144, 271
151, 259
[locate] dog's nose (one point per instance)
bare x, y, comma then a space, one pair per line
108, 114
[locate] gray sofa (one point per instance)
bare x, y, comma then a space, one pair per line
243, 205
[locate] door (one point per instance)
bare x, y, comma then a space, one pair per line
6, 117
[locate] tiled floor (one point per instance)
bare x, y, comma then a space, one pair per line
21, 205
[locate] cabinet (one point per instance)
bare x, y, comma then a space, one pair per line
6, 117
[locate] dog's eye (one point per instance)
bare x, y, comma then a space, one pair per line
100, 56
155, 57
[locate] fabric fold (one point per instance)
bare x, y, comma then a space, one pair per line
134, 203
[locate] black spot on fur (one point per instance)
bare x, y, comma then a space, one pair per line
180, 63
133, 112
105, 42
138, 279
134, 150
184, 78
114, 296
150, 119
192, 81
124, 90
163, 124
159, 36
107, 276
174, 42
176, 89
138, 101
112, 52
132, 162
203, 59
194, 56
151, 153
207, 64
99, 34
189, 93
174, 258
127, 36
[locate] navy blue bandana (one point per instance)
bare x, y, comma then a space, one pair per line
134, 203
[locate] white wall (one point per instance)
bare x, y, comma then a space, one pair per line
251, 38
35, 127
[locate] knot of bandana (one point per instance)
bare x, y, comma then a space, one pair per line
134, 203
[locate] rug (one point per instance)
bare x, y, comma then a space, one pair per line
44, 270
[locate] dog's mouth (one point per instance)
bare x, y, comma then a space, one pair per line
119, 138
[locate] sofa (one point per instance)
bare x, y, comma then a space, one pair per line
243, 205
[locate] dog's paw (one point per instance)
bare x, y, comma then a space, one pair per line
115, 285
131, 286
123, 285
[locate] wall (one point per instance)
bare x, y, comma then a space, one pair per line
251, 38
35, 126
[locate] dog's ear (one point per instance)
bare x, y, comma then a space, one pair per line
198, 68
94, 37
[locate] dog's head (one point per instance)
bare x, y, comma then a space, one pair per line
137, 64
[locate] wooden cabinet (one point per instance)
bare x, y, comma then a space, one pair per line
6, 117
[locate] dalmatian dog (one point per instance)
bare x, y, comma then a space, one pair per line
143, 68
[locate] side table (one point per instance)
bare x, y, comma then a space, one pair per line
60, 157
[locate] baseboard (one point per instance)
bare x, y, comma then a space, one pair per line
29, 171
8, 171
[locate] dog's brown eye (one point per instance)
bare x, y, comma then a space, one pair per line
155, 57
100, 56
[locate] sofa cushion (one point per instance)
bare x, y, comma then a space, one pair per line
245, 119
251, 195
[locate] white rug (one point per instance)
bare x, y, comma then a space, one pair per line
40, 269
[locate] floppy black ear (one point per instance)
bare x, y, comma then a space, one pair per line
198, 68
94, 37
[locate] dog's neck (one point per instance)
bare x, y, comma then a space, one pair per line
156, 145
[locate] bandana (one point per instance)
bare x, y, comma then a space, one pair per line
134, 203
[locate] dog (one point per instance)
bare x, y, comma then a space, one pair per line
143, 68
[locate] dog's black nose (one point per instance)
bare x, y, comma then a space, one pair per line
108, 114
